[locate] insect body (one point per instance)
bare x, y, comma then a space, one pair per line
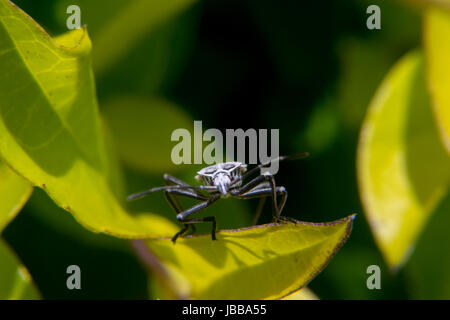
220, 181
224, 176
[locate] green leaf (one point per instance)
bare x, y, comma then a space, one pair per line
14, 193
44, 210
262, 262
437, 50
403, 170
134, 122
50, 130
15, 281
302, 294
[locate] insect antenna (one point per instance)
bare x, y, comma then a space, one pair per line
142, 194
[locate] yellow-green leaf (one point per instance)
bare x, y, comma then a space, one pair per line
302, 294
135, 122
437, 50
50, 130
262, 262
14, 192
403, 170
15, 281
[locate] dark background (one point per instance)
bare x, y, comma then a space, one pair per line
308, 68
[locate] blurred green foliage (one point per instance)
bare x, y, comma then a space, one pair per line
403, 169
15, 281
307, 68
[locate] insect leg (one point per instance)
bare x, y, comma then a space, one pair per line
173, 200
261, 202
269, 192
174, 238
250, 185
171, 197
182, 217
258, 211
172, 180
192, 221
254, 185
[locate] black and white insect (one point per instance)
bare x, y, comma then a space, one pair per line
223, 180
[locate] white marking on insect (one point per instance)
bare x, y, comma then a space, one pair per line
223, 176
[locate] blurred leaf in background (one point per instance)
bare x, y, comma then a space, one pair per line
15, 281
48, 240
14, 192
142, 130
403, 170
437, 49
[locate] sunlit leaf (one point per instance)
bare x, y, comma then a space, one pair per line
403, 170
15, 281
286, 256
43, 209
50, 130
302, 294
142, 129
14, 192
437, 49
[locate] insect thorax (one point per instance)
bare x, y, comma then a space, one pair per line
231, 170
